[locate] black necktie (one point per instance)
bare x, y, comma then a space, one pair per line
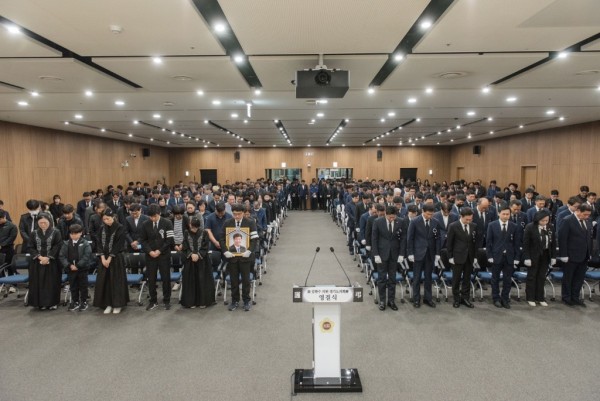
390, 226
155, 226
582, 225
427, 224
467, 229
504, 229
515, 218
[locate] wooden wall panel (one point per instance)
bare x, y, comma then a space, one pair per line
253, 162
38, 163
565, 157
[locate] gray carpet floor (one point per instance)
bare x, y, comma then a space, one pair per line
426, 354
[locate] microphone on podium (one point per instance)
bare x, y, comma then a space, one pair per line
341, 267
311, 265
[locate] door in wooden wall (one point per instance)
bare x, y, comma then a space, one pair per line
208, 176
528, 177
408, 174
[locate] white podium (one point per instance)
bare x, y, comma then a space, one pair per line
326, 374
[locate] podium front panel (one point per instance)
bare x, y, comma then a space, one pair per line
326, 334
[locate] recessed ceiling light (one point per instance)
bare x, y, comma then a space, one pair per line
234, 115
181, 78
170, 122
102, 130
347, 120
469, 136
119, 103
220, 27
78, 116
511, 99
398, 56
216, 102
13, 29
550, 112
35, 94
205, 121
391, 114
562, 54
173, 133
308, 145
491, 132
168, 143
66, 123
413, 144
156, 115
371, 91
22, 103
162, 129
89, 93
274, 146
485, 89
257, 92
200, 92
439, 132
239, 146
151, 139
561, 119
412, 100
425, 24
490, 119
157, 60
136, 122
449, 130
521, 126
417, 120
322, 101
206, 146
182, 134
320, 115
245, 121
238, 58
470, 113
130, 135
275, 121
598, 88
382, 120
429, 90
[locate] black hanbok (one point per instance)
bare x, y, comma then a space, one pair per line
111, 283
197, 281
44, 280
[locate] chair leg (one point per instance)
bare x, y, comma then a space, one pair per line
589, 290
518, 290
553, 290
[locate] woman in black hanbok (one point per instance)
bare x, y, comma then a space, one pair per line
111, 292
44, 270
197, 282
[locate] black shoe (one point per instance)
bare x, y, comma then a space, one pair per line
167, 306
74, 306
497, 304
456, 304
467, 303
83, 307
233, 306
247, 306
429, 303
392, 305
417, 304
506, 304
382, 306
152, 306
568, 303
579, 302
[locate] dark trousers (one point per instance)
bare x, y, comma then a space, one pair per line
303, 203
351, 237
507, 270
419, 266
462, 274
162, 265
536, 278
239, 266
573, 277
387, 279
295, 202
8, 252
78, 282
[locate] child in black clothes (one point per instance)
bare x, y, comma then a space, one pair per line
76, 258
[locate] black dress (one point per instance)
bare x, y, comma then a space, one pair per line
197, 282
44, 280
111, 283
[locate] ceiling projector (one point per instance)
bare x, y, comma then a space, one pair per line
321, 83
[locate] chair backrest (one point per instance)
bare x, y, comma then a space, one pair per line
135, 260
19, 248
215, 259
176, 258
21, 261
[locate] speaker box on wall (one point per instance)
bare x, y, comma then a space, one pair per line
379, 155
145, 152
236, 156
477, 149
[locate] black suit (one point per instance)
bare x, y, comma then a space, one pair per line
482, 225
462, 247
159, 239
574, 243
386, 245
539, 248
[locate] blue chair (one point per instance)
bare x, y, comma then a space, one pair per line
593, 275
557, 276
435, 280
20, 261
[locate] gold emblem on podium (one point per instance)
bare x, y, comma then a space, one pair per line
326, 325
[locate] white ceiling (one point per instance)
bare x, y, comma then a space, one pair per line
484, 40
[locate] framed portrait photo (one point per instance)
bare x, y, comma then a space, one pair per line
237, 240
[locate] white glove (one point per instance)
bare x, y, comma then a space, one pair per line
527, 262
247, 254
491, 260
594, 223
378, 259
552, 262
358, 230
368, 247
364, 242
564, 260
516, 263
400, 259
451, 260
437, 260
228, 255
411, 258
